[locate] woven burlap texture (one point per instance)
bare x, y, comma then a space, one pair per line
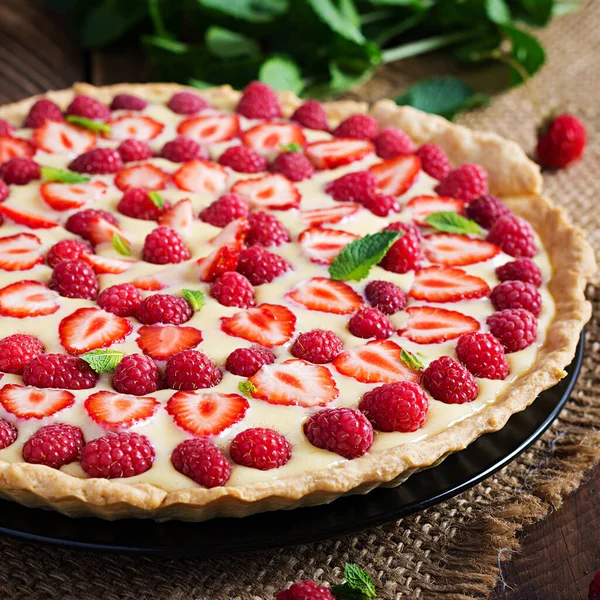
449, 551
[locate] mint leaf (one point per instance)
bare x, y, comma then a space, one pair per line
281, 73
411, 360
63, 176
498, 11
157, 200
121, 245
103, 361
345, 591
195, 298
248, 10
95, 126
355, 260
247, 388
293, 147
225, 43
526, 51
359, 584
337, 20
451, 222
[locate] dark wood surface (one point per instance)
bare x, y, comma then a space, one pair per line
558, 556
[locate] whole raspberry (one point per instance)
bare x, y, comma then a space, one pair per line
305, 590
70, 249
434, 161
486, 210
122, 300
405, 253
594, 588
59, 371
483, 355
99, 161
186, 103
561, 141
136, 203
465, 183
362, 127
6, 128
522, 269
345, 431
266, 230
392, 142
191, 370
225, 209
74, 279
124, 454
4, 191
79, 222
127, 102
89, 108
381, 205
163, 308
352, 187
136, 374
182, 149
318, 346
247, 361
8, 434
514, 235
243, 160
448, 381
386, 296
260, 448
164, 246
517, 294
202, 462
370, 323
516, 328
261, 266
131, 150
54, 445
259, 101
17, 350
43, 110
293, 165
311, 115
233, 289
19, 171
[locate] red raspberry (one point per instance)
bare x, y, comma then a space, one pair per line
132, 150
99, 161
124, 454
465, 183
561, 141
182, 149
136, 203
4, 191
293, 165
594, 588
370, 323
522, 269
392, 142
74, 279
514, 235
243, 160
8, 434
227, 208
362, 127
233, 289
162, 308
405, 253
516, 328
517, 294
261, 266
486, 210
127, 102
434, 161
6, 128
191, 370
54, 445
381, 205
266, 230
43, 110
305, 590
122, 300
164, 246
353, 187
19, 171
345, 431
89, 108
260, 448
247, 361
311, 115
202, 462
79, 222
259, 101
17, 350
318, 346
186, 103
386, 296
67, 250
136, 374
59, 371
483, 355
448, 381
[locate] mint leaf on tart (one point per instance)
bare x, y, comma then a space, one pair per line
157, 200
412, 361
121, 245
359, 584
247, 388
451, 222
355, 260
293, 147
63, 176
95, 126
104, 360
195, 298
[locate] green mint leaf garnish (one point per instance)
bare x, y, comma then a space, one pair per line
359, 584
157, 200
103, 361
63, 176
411, 360
195, 298
121, 245
293, 147
95, 126
247, 388
451, 222
281, 73
355, 260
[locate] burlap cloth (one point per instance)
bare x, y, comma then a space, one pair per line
449, 551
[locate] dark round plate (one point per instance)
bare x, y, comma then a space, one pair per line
346, 515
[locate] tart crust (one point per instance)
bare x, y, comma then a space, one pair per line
511, 175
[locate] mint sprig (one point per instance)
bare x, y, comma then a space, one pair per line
247, 388
358, 584
195, 298
451, 222
63, 176
412, 361
103, 361
293, 147
90, 124
121, 245
157, 200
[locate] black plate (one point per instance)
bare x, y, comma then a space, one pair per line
269, 530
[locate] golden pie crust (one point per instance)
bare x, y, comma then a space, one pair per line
511, 175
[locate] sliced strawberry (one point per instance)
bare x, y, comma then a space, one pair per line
210, 129
233, 234
20, 252
134, 127
104, 265
295, 382
27, 299
206, 413
11, 147
27, 219
201, 176
334, 153
90, 328
272, 191
322, 245
180, 216
267, 324
62, 138
396, 176
267, 138
423, 206
430, 325
457, 250
67, 196
162, 341
152, 283
333, 214
101, 231
146, 176
119, 411
326, 295
445, 284
34, 403
223, 259
376, 362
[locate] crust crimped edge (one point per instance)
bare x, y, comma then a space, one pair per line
511, 175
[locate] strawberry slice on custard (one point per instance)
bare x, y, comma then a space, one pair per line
267, 324
431, 325
34, 403
321, 245
27, 299
20, 252
447, 284
119, 411
326, 295
457, 250
162, 341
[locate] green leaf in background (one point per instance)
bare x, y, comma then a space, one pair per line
103, 360
498, 11
63, 176
109, 20
451, 222
254, 11
359, 584
348, 9
281, 73
225, 43
538, 12
336, 20
475, 51
95, 126
526, 51
167, 44
198, 83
